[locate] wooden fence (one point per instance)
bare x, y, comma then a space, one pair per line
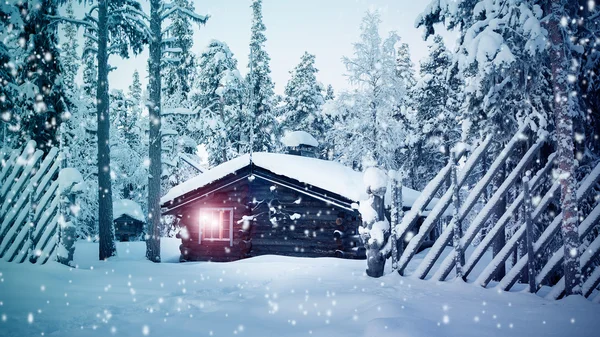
531, 238
29, 203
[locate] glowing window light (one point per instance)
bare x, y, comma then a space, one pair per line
216, 224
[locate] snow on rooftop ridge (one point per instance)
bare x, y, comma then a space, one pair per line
327, 175
128, 207
297, 138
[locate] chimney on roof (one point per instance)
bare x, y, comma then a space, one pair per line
300, 143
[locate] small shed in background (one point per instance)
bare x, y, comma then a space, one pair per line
129, 220
301, 143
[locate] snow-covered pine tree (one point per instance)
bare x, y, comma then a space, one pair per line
127, 150
11, 25
78, 132
42, 103
69, 59
304, 99
261, 110
329, 93
159, 12
90, 69
365, 122
219, 91
178, 59
502, 64
406, 71
433, 125
135, 94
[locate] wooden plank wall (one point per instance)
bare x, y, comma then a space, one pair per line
301, 226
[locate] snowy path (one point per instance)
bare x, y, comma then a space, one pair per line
264, 296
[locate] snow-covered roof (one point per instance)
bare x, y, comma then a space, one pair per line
327, 175
297, 138
128, 207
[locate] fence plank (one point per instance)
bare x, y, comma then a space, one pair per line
556, 260
591, 283
486, 212
40, 226
455, 223
508, 214
29, 183
7, 239
8, 164
587, 258
491, 269
17, 168
46, 240
529, 234
511, 277
435, 214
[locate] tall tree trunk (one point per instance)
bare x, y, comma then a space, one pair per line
105, 206
154, 224
563, 114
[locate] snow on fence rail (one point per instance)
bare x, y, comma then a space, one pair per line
29, 203
522, 211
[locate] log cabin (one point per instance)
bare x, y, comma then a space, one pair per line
267, 203
128, 219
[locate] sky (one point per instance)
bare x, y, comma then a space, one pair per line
325, 28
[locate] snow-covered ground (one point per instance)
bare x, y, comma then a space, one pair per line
264, 296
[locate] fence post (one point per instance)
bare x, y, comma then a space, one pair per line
529, 233
30, 218
459, 254
396, 217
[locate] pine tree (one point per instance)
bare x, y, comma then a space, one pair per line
506, 78
127, 150
433, 126
40, 108
11, 25
90, 69
366, 126
127, 35
219, 91
406, 72
329, 94
69, 60
304, 98
261, 115
135, 93
178, 61
158, 14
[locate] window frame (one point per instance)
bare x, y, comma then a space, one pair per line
202, 226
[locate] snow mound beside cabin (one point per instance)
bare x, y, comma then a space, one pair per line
128, 207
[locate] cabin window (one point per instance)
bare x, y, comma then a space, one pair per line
216, 224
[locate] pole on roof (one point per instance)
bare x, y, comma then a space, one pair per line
252, 105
